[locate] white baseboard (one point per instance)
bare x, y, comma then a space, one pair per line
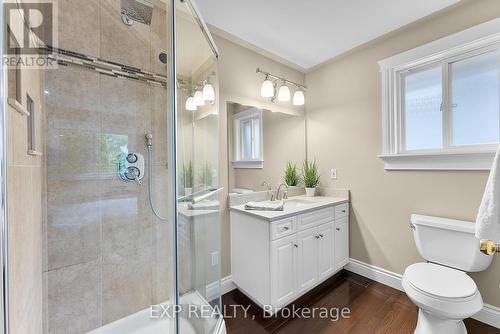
489, 314
375, 273
227, 285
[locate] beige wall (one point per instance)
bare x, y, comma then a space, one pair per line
240, 83
344, 132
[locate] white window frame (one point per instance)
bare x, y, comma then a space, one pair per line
255, 115
465, 44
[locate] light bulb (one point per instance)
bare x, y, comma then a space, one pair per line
198, 98
284, 93
190, 105
299, 98
267, 89
208, 93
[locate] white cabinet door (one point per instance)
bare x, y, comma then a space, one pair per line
307, 259
326, 264
341, 243
283, 270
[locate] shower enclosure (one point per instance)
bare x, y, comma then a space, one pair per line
110, 161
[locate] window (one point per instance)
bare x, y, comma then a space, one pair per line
441, 105
247, 139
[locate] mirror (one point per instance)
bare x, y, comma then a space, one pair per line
260, 144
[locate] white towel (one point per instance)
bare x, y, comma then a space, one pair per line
488, 217
265, 206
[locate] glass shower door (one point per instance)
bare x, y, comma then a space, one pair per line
198, 219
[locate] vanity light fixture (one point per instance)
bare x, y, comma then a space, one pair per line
299, 98
190, 105
284, 93
198, 98
208, 93
268, 89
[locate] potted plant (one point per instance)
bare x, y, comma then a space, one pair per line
206, 176
188, 178
291, 177
310, 177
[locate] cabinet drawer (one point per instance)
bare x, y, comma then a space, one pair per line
314, 218
341, 210
282, 228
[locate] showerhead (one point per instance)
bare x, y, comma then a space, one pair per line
136, 10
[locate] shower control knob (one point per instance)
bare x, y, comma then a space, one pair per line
132, 158
132, 173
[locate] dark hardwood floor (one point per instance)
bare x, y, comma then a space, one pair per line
375, 308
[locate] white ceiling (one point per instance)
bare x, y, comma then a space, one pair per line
309, 32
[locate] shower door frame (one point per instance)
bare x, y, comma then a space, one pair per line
3, 180
172, 130
173, 136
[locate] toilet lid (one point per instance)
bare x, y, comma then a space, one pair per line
440, 281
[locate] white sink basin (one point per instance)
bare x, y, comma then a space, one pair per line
297, 203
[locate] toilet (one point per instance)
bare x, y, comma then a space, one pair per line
440, 287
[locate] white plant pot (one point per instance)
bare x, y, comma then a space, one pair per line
310, 192
188, 191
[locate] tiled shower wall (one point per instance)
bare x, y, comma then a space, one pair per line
106, 256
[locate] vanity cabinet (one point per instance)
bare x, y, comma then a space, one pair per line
275, 262
341, 242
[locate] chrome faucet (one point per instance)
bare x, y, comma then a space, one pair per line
266, 184
285, 193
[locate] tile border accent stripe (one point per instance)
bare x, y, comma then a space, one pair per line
66, 58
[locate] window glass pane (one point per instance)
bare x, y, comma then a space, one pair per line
256, 136
246, 138
474, 98
423, 117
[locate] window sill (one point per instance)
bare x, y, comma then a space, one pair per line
251, 164
439, 161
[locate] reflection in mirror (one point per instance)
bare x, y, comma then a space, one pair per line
261, 143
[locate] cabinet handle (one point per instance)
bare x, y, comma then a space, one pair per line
337, 228
343, 211
316, 236
286, 228
321, 235
295, 245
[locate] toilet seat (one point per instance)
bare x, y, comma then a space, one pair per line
440, 282
445, 292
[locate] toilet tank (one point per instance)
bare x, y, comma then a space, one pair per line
449, 242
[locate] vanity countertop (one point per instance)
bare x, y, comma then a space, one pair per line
296, 205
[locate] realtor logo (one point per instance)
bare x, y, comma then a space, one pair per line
31, 29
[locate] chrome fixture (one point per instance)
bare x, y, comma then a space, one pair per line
266, 184
285, 193
282, 94
149, 146
136, 10
131, 167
